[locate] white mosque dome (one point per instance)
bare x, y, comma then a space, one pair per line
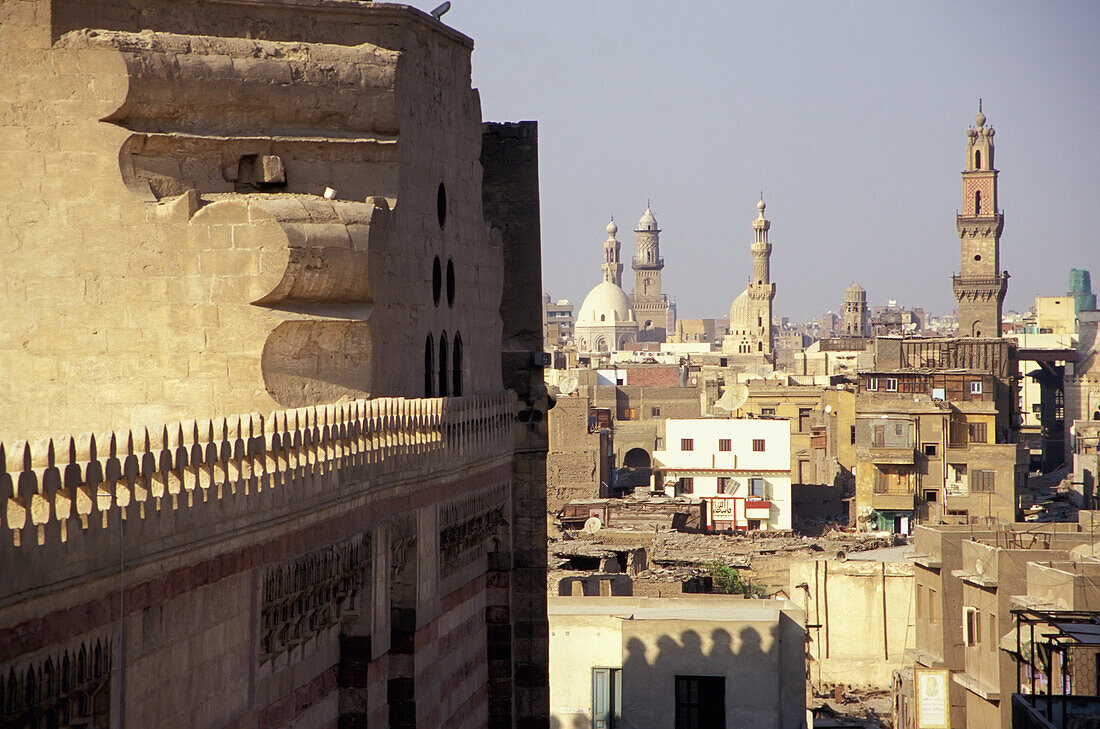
740, 316
605, 304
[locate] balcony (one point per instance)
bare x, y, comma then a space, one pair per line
902, 456
638, 263
893, 502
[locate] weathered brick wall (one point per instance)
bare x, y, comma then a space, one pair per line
651, 376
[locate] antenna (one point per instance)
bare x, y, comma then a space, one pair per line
440, 10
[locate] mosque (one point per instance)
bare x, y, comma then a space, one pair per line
609, 320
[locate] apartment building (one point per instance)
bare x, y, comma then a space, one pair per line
934, 446
740, 468
967, 580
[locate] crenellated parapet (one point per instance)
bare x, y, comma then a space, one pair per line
53, 487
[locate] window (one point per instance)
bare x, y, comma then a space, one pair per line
659, 443
758, 445
725, 444
687, 444
976, 431
977, 159
725, 485
872, 383
976, 387
607, 702
687, 485
972, 626
804, 420
756, 487
930, 450
852, 435
700, 702
932, 605
891, 384
878, 436
655, 412
456, 369
881, 481
920, 602
899, 430
443, 357
983, 480
977, 202
429, 366
767, 411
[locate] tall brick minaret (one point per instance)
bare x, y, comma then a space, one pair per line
980, 285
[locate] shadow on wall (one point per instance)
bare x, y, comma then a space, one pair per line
719, 681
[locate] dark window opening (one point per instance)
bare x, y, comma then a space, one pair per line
758, 444
700, 702
977, 159
429, 366
441, 205
687, 444
977, 202
725, 444
437, 280
456, 370
443, 365
931, 496
450, 283
687, 485
930, 449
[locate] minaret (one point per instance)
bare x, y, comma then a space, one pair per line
612, 266
650, 305
980, 285
761, 290
855, 311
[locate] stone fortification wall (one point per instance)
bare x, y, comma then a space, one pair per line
290, 569
165, 211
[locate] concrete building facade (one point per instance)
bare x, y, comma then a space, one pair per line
740, 468
706, 660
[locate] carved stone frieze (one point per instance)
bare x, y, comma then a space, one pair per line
311, 593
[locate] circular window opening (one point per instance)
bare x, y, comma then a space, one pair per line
977, 257
441, 204
450, 283
437, 280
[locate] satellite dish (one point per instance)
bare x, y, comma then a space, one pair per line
592, 524
568, 386
979, 567
440, 10
828, 409
765, 372
733, 398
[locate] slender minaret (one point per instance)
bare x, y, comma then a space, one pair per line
761, 290
980, 285
612, 266
650, 305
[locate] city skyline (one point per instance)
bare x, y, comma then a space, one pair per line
851, 119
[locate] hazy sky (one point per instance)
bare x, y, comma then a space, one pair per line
850, 116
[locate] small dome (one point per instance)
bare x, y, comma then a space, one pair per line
647, 221
761, 206
980, 120
740, 316
856, 288
612, 229
607, 301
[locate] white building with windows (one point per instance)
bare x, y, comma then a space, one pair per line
740, 468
